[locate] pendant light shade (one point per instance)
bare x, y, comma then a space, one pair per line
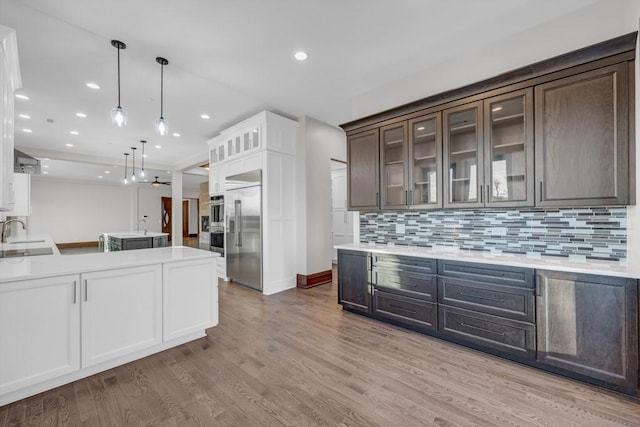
142, 169
118, 114
126, 156
133, 165
162, 127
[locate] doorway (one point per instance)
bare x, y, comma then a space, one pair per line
166, 217
342, 219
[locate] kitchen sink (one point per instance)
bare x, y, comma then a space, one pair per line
26, 241
10, 253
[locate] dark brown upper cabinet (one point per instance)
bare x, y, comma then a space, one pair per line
363, 171
425, 162
393, 156
463, 156
582, 139
508, 145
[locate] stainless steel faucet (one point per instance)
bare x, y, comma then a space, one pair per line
145, 225
3, 238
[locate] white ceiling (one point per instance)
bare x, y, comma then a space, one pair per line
228, 59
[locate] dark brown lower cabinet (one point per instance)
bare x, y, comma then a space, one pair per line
414, 313
506, 335
588, 325
353, 281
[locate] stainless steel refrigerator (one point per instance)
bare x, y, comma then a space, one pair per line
243, 211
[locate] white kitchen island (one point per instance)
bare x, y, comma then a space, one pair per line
63, 318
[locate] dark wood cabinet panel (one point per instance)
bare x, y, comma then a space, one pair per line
505, 301
589, 325
404, 263
508, 336
508, 149
363, 171
416, 314
402, 282
582, 139
354, 290
497, 274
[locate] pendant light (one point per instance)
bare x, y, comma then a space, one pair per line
126, 156
133, 165
162, 126
118, 115
142, 141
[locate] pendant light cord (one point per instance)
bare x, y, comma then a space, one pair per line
119, 76
161, 89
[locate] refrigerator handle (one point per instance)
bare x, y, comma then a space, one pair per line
238, 221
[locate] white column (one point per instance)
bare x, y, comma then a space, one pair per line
176, 208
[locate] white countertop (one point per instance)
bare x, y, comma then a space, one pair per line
33, 267
134, 234
605, 268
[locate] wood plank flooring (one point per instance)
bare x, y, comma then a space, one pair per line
297, 359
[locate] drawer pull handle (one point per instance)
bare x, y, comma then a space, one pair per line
463, 294
402, 308
482, 329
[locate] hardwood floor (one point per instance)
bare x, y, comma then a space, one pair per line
296, 358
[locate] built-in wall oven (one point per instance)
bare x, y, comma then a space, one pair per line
216, 224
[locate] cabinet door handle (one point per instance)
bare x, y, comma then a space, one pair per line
488, 194
480, 191
75, 290
86, 291
406, 197
378, 199
540, 190
538, 285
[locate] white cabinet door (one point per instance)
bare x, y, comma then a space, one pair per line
39, 331
190, 297
121, 312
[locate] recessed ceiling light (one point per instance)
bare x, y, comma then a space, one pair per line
205, 116
300, 55
107, 171
168, 171
27, 130
21, 96
83, 115
145, 155
24, 116
73, 132
176, 134
496, 109
100, 176
92, 85
45, 166
69, 145
45, 172
146, 180
158, 147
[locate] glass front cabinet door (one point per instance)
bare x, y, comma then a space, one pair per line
463, 156
509, 149
425, 162
393, 155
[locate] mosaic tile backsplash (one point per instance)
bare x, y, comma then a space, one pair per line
582, 233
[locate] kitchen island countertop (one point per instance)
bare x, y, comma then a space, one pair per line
588, 266
33, 267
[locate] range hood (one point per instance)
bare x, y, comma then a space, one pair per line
24, 163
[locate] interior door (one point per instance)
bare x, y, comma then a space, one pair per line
166, 215
185, 218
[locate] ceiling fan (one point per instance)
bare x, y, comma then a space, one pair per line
157, 183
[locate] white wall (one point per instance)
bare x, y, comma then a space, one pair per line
594, 23
317, 142
74, 211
